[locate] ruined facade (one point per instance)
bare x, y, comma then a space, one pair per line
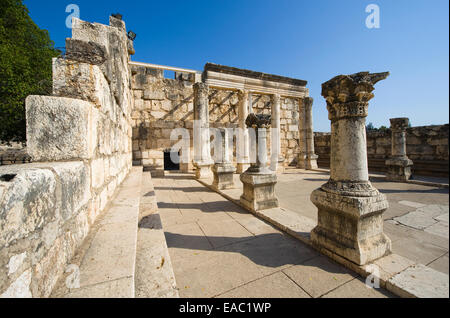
162, 104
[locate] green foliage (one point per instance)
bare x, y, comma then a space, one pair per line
25, 66
370, 126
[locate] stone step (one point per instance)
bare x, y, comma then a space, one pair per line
154, 273
106, 266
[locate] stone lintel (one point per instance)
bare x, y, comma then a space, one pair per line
252, 74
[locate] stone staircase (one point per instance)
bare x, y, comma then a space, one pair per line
125, 254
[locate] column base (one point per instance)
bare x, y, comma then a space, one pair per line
280, 166
307, 162
242, 167
186, 167
351, 226
223, 176
259, 191
203, 169
399, 169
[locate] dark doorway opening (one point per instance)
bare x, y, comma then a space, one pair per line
168, 163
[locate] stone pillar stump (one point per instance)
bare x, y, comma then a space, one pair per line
399, 165
350, 209
259, 181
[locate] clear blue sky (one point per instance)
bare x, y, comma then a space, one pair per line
310, 40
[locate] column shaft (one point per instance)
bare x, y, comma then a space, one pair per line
242, 146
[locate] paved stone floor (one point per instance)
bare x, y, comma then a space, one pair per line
220, 250
416, 221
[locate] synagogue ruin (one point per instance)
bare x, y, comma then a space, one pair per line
100, 147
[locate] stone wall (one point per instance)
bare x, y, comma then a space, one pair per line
160, 105
80, 142
426, 146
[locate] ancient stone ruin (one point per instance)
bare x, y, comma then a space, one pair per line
399, 166
117, 142
350, 209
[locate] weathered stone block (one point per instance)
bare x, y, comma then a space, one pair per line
154, 94
59, 128
223, 176
29, 201
259, 191
351, 226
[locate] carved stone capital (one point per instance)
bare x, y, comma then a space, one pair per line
201, 88
242, 94
350, 109
399, 124
258, 121
307, 103
348, 95
276, 98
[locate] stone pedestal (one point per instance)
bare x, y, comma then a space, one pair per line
350, 209
223, 176
399, 169
202, 151
399, 165
203, 169
258, 180
259, 191
307, 159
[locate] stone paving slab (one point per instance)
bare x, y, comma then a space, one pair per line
420, 281
277, 285
319, 276
440, 264
356, 288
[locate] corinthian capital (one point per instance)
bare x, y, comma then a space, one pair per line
258, 121
348, 95
399, 124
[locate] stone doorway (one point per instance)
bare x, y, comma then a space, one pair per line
169, 165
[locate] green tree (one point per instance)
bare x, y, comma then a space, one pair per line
25, 66
370, 126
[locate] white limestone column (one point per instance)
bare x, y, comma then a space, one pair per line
242, 147
202, 149
276, 158
350, 209
307, 159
